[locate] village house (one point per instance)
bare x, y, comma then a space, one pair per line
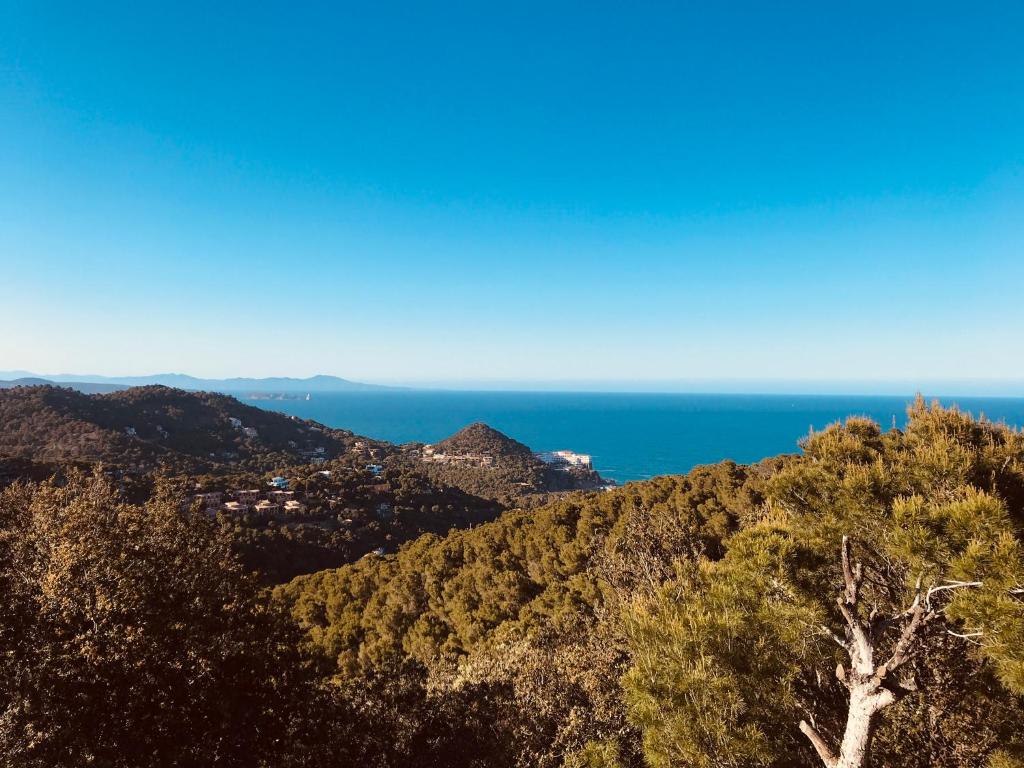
292, 507
209, 500
266, 508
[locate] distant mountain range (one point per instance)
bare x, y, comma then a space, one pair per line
100, 384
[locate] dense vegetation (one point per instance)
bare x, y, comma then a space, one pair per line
684, 621
349, 513
130, 636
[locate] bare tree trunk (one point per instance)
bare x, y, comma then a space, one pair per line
864, 705
867, 699
871, 686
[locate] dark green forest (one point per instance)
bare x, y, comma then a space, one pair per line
861, 601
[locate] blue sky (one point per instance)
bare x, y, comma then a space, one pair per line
528, 191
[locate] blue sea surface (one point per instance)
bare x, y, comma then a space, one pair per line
630, 436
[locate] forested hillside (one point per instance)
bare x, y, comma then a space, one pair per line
861, 601
693, 621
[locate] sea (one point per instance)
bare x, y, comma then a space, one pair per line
629, 436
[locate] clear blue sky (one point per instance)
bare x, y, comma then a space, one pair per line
532, 191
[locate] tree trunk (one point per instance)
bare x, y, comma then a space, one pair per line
864, 704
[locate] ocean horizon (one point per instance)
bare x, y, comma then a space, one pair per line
631, 436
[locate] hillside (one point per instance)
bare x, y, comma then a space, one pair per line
479, 438
735, 616
689, 620
357, 495
149, 426
481, 460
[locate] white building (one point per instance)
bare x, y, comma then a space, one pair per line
565, 459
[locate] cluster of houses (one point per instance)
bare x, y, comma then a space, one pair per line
366, 450
247, 431
429, 454
564, 460
277, 501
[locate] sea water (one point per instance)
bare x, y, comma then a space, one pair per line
629, 436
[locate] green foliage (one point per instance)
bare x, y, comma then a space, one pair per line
130, 636
731, 655
528, 605
717, 655
685, 618
595, 754
684, 621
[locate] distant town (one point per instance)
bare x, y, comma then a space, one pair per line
556, 459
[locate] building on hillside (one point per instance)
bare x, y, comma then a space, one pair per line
236, 423
209, 500
250, 496
565, 459
281, 496
292, 507
250, 432
279, 482
430, 454
236, 508
266, 508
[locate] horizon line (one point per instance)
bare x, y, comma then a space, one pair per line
931, 387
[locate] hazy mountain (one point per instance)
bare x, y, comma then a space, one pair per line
319, 383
